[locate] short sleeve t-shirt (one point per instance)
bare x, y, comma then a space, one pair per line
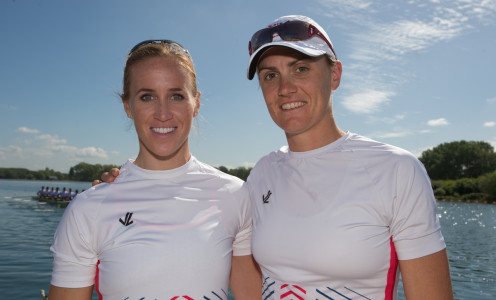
155, 234
331, 223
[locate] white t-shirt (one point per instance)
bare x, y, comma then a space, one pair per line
331, 223
155, 234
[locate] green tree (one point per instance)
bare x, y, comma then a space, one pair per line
84, 172
487, 185
240, 172
223, 169
14, 173
21, 173
466, 186
460, 159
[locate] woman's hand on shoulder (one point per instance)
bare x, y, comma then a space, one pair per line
108, 177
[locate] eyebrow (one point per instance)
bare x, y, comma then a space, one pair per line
290, 64
145, 90
260, 69
148, 90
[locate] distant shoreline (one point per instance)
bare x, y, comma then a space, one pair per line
465, 201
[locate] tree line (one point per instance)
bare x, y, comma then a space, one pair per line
80, 172
88, 172
21, 173
461, 170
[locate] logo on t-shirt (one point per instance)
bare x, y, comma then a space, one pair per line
127, 220
265, 199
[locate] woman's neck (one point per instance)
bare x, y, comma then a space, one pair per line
148, 161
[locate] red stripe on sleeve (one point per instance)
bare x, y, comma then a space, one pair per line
393, 269
97, 281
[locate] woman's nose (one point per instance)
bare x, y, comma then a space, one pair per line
162, 111
286, 86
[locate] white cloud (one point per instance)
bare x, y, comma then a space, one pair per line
397, 134
489, 124
247, 164
367, 102
50, 149
62, 148
79, 153
10, 151
362, 11
39, 152
27, 130
418, 152
483, 10
50, 139
391, 41
438, 122
493, 143
352, 9
389, 31
92, 152
399, 30
491, 100
350, 5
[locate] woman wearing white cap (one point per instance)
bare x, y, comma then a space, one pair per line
336, 215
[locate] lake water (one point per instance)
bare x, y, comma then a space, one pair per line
27, 227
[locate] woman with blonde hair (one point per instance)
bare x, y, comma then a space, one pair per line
170, 227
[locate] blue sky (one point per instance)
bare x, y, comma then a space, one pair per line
415, 74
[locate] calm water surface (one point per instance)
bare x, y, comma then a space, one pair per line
27, 228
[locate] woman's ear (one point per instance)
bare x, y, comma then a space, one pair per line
197, 105
337, 69
127, 108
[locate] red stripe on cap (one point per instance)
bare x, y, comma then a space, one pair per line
393, 269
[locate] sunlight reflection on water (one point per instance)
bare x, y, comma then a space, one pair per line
27, 228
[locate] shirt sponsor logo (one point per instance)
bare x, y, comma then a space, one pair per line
127, 219
265, 199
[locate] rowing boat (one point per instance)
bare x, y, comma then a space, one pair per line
56, 202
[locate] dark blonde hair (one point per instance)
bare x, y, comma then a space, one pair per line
331, 60
160, 49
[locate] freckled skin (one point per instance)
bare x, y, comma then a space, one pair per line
289, 78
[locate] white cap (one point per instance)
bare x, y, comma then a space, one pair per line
315, 46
